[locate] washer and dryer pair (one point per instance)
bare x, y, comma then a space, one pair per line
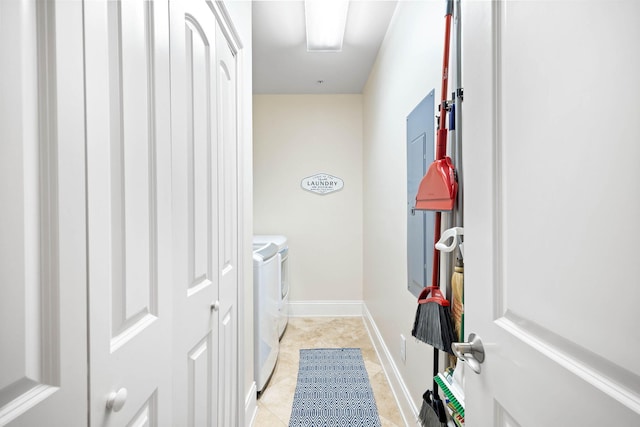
271, 296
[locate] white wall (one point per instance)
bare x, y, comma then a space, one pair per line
407, 68
296, 136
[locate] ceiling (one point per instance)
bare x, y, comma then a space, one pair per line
281, 63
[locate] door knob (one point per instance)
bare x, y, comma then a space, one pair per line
117, 399
215, 306
471, 352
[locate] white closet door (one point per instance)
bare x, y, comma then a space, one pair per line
205, 218
129, 210
228, 226
43, 345
195, 213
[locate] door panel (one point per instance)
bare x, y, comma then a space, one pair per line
23, 225
200, 374
147, 415
129, 211
42, 285
546, 289
195, 213
132, 188
200, 185
228, 223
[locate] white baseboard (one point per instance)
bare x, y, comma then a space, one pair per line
251, 405
408, 409
325, 308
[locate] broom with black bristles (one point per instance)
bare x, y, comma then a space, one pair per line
433, 324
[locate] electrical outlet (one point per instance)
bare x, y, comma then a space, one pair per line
403, 348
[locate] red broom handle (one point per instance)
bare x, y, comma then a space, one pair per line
435, 275
441, 144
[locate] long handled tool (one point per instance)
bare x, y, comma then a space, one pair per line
457, 278
455, 131
437, 192
457, 281
432, 324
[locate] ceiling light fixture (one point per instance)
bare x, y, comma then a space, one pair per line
326, 21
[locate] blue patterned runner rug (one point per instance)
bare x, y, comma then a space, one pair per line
333, 390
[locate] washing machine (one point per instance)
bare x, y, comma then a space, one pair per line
266, 290
283, 252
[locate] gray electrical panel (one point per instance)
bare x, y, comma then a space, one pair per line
420, 134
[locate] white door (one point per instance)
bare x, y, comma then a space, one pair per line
195, 212
228, 231
129, 210
43, 344
205, 218
552, 209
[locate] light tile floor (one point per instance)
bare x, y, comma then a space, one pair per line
274, 405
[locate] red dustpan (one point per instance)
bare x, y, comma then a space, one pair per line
439, 186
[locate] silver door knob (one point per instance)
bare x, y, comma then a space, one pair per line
117, 399
472, 352
215, 306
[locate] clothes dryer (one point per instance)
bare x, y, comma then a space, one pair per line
283, 252
266, 289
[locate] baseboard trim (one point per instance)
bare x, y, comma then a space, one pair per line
251, 405
408, 409
325, 308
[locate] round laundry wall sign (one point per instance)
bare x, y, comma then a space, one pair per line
322, 183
